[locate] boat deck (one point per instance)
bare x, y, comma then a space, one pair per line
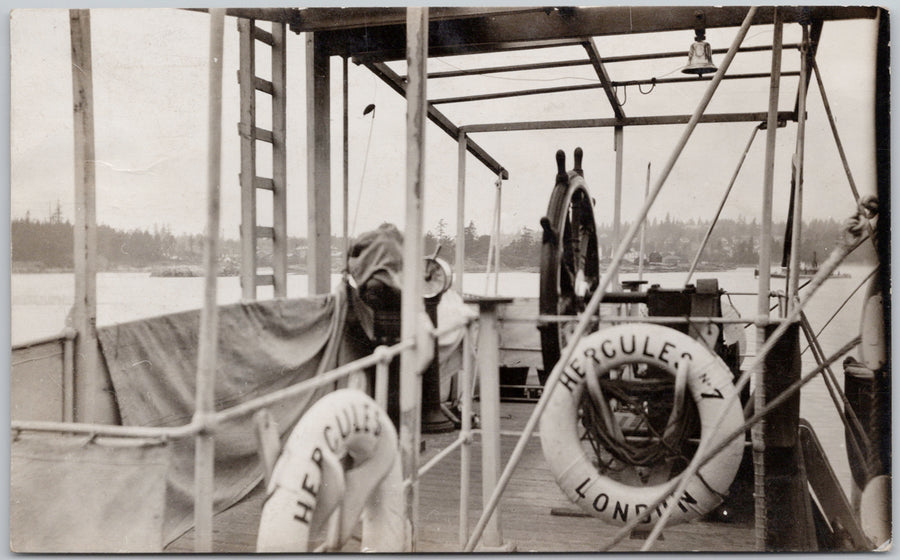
535, 514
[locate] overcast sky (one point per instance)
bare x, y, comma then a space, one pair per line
150, 94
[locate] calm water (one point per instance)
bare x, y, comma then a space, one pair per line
40, 303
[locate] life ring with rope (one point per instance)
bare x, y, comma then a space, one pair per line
343, 452
710, 384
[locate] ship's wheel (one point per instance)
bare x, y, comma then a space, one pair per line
570, 264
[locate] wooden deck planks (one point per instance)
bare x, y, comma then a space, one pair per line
525, 510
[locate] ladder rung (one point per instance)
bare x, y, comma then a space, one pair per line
263, 135
263, 85
265, 279
265, 232
260, 134
264, 183
262, 35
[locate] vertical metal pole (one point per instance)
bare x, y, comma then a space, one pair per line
489, 376
89, 397
762, 303
204, 452
794, 267
619, 143
497, 209
279, 161
247, 127
346, 194
412, 305
643, 228
460, 264
465, 457
318, 166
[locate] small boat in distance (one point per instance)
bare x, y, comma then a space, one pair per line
805, 271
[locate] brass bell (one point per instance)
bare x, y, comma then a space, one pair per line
699, 56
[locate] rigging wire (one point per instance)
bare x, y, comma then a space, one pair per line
362, 176
846, 301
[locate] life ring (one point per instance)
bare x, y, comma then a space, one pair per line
343, 451
710, 384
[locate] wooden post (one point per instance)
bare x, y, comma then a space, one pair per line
204, 451
762, 302
619, 145
460, 264
68, 411
345, 199
279, 160
318, 165
412, 305
794, 267
489, 383
465, 453
785, 481
247, 127
497, 207
92, 400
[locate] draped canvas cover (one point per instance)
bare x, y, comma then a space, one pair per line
77, 494
262, 347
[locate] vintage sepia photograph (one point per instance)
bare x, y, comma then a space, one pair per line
422, 279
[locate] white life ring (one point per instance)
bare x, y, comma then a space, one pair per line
710, 385
343, 451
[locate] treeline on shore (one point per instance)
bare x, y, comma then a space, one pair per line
47, 245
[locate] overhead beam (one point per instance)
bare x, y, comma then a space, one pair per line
597, 63
540, 23
518, 29
321, 19
627, 121
580, 87
693, 79
397, 83
584, 62
458, 50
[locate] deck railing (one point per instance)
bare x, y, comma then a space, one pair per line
380, 359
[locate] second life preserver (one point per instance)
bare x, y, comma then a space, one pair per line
710, 384
343, 451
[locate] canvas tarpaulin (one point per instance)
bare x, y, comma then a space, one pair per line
78, 494
262, 347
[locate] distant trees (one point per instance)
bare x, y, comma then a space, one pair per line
47, 244
733, 242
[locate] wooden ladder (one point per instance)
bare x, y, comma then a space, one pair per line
250, 182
